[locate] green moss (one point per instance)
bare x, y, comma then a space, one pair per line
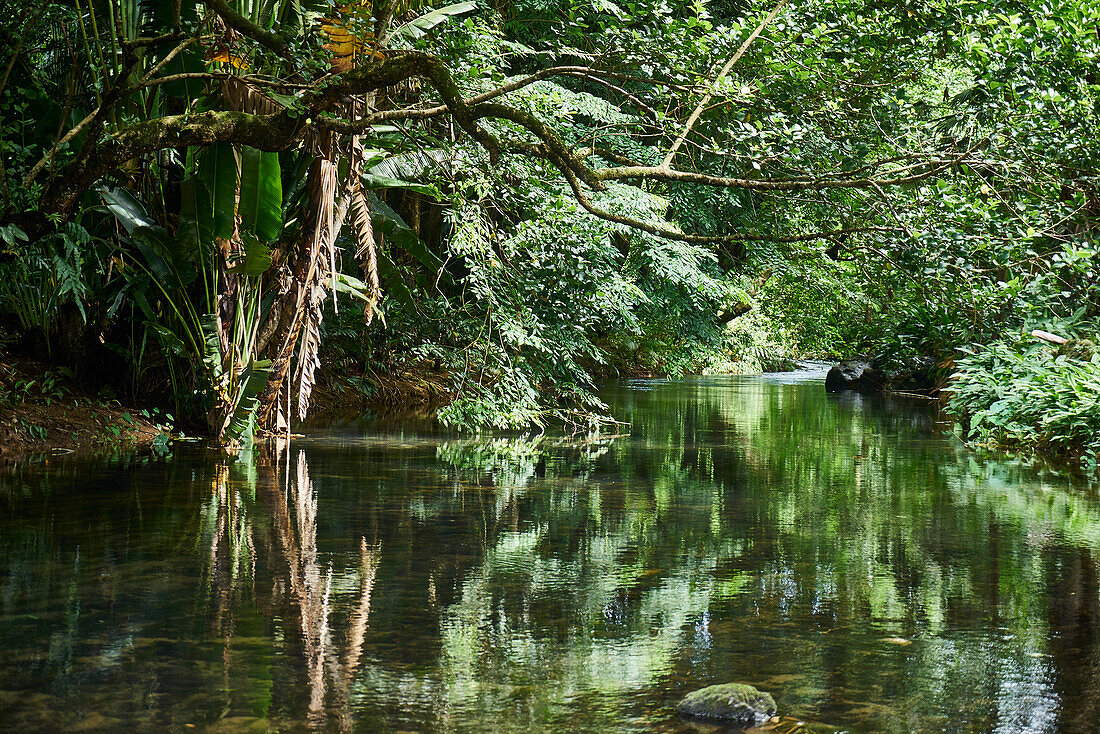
736, 703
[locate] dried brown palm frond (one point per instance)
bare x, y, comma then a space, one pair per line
240, 97
366, 253
321, 270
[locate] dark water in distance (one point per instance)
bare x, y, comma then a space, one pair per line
837, 552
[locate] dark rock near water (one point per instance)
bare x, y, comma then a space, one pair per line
735, 703
914, 374
854, 374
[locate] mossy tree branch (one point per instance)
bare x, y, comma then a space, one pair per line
318, 107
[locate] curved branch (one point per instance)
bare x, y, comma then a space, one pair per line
245, 27
659, 173
265, 132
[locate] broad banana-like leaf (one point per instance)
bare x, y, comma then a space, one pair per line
372, 181
397, 233
266, 16
393, 282
409, 164
218, 170
212, 349
156, 248
418, 27
129, 211
255, 259
251, 383
296, 167
154, 16
196, 226
352, 286
261, 204
169, 341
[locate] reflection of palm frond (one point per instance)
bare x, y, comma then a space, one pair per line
310, 590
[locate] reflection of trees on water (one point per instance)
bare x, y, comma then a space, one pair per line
301, 585
578, 571
772, 535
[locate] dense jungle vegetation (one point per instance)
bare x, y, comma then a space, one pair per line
218, 206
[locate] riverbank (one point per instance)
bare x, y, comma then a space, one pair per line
44, 409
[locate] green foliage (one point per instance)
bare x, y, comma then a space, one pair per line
1020, 392
484, 268
50, 386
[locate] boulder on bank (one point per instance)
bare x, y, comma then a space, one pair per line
735, 703
854, 374
916, 374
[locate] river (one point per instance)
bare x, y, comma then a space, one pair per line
842, 553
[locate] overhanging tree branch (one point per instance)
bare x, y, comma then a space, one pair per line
694, 117
245, 27
320, 105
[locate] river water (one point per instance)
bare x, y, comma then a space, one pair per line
838, 552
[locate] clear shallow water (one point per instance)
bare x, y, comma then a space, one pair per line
837, 552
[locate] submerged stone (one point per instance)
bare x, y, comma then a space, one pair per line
788, 725
736, 703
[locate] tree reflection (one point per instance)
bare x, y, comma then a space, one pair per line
835, 552
301, 585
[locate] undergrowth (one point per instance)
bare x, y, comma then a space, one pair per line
1023, 393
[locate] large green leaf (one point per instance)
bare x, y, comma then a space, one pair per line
373, 181
261, 203
196, 220
255, 259
390, 224
251, 383
409, 164
218, 170
352, 286
129, 211
212, 348
155, 247
418, 27
393, 284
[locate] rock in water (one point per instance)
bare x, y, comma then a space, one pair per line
854, 374
736, 703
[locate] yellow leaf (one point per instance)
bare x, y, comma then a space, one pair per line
348, 36
224, 57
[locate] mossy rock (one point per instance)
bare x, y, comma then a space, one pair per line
736, 703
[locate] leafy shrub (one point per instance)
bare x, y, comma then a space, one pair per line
1016, 392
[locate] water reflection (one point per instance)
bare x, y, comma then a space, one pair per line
836, 552
300, 599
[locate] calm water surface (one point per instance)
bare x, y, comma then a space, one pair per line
837, 552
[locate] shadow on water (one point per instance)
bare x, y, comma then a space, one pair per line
833, 550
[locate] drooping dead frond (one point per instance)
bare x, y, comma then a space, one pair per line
322, 269
308, 357
323, 198
365, 252
242, 98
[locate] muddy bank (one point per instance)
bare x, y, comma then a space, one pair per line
43, 410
